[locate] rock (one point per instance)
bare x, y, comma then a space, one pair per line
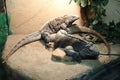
34, 62
59, 55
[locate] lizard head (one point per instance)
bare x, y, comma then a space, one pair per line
69, 19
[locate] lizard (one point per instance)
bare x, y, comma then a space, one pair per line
45, 32
85, 49
50, 27
81, 49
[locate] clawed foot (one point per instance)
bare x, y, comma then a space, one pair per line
48, 46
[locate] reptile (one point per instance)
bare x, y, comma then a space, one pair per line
76, 47
53, 26
81, 49
50, 27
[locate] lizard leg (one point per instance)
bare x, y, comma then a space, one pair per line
64, 27
46, 37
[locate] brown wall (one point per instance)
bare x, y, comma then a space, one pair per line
28, 16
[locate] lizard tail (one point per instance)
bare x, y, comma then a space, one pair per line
28, 39
88, 30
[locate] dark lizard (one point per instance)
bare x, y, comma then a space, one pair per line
52, 26
81, 49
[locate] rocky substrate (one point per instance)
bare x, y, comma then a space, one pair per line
34, 62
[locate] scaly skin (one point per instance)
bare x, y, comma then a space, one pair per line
81, 49
52, 26
91, 31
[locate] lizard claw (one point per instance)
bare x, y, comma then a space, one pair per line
48, 46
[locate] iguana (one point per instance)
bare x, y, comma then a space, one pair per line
81, 49
52, 26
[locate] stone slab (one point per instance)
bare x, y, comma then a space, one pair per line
35, 62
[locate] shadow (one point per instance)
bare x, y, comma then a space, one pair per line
91, 63
68, 61
110, 71
3, 75
12, 74
110, 54
87, 62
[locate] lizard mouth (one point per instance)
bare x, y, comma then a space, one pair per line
75, 18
